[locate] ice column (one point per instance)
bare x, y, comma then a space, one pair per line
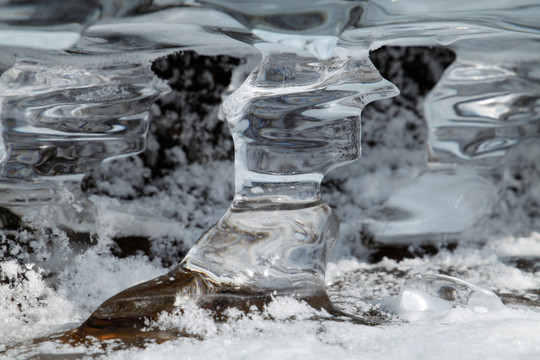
486, 102
63, 112
59, 118
293, 119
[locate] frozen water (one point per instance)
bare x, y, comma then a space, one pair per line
101, 112
439, 293
113, 33
409, 213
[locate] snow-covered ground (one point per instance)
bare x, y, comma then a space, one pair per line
184, 180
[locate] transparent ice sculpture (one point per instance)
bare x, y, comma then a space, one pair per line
82, 97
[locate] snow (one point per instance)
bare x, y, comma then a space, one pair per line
505, 334
288, 328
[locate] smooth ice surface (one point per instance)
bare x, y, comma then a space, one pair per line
440, 293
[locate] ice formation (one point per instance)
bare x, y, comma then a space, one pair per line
75, 91
439, 293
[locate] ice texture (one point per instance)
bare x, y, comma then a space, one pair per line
109, 39
295, 118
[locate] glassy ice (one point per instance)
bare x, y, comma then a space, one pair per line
76, 87
440, 293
